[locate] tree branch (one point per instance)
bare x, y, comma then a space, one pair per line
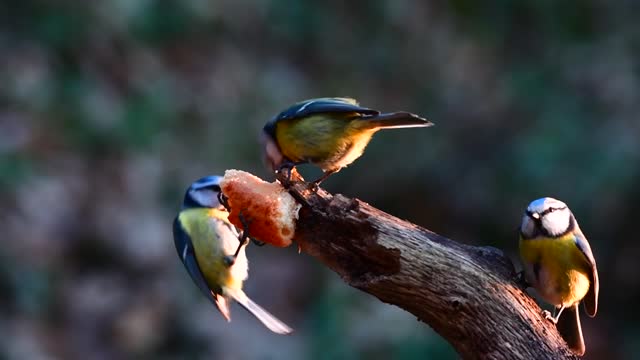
467, 294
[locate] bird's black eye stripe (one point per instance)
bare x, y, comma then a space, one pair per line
205, 186
551, 209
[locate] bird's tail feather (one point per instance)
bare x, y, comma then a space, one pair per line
222, 303
270, 321
395, 120
570, 329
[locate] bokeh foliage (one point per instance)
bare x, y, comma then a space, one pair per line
108, 110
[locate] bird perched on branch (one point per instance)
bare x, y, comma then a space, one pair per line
559, 264
213, 253
330, 133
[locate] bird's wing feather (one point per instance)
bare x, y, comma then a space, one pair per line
591, 299
324, 105
187, 255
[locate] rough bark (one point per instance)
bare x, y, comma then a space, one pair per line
467, 294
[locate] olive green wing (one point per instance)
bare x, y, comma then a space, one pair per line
324, 105
185, 250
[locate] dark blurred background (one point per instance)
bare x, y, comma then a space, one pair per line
109, 110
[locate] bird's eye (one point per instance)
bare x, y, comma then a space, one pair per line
552, 210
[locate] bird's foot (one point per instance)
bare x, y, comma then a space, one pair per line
224, 201
229, 260
547, 315
244, 236
257, 242
285, 169
313, 186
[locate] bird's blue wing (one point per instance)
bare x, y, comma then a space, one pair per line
188, 257
323, 105
591, 299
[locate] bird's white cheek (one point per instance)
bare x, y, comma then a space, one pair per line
272, 155
528, 228
556, 223
206, 197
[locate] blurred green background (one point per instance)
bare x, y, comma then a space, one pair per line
108, 110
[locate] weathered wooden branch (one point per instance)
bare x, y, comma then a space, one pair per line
467, 294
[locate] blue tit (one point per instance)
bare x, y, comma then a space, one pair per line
209, 247
559, 264
330, 133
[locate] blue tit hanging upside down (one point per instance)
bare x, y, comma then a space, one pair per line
559, 264
213, 253
330, 133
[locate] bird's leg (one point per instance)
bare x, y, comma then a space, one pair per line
224, 201
245, 233
553, 318
288, 166
313, 186
244, 236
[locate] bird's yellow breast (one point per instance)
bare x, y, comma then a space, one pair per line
556, 268
329, 141
213, 239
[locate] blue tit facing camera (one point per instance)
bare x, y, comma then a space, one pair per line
210, 249
330, 133
559, 264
